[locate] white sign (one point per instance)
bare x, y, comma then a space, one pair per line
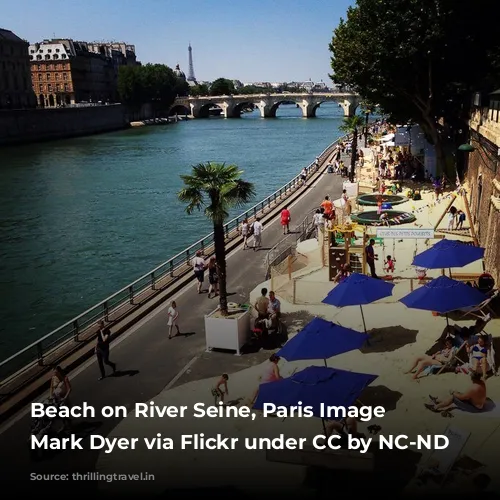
352, 189
405, 233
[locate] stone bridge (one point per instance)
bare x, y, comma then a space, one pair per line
267, 104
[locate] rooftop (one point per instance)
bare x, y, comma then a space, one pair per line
8, 35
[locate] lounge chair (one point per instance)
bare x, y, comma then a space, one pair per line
479, 310
490, 357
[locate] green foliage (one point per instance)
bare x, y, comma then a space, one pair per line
151, 83
417, 59
215, 188
200, 89
222, 86
351, 125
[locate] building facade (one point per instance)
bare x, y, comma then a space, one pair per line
67, 72
15, 82
483, 176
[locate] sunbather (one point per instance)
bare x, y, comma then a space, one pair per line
479, 354
472, 401
465, 332
440, 358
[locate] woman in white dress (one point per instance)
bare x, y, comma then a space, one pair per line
173, 314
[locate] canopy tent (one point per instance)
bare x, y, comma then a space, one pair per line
388, 137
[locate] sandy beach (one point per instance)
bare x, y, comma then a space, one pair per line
398, 335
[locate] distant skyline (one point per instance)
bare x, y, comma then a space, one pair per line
266, 40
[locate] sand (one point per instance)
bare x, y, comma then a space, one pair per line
398, 335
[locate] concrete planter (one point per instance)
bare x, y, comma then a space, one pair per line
231, 332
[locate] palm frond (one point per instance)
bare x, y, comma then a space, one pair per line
215, 188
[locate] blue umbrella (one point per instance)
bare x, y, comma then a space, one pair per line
321, 339
313, 386
443, 295
447, 254
358, 290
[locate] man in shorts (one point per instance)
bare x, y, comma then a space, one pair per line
198, 264
471, 401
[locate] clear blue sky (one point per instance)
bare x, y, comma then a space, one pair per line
249, 40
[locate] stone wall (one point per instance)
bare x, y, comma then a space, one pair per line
483, 178
30, 125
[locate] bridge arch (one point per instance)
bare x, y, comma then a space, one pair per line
274, 107
203, 111
179, 109
237, 109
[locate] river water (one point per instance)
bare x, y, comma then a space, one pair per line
81, 218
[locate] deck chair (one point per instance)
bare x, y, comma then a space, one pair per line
479, 310
458, 345
441, 462
490, 357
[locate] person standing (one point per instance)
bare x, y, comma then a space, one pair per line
198, 264
244, 232
303, 175
371, 257
460, 220
173, 315
285, 220
257, 234
102, 349
452, 216
213, 277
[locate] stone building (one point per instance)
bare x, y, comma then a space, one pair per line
66, 72
483, 176
15, 81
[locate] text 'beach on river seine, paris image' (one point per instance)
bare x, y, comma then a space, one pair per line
253, 241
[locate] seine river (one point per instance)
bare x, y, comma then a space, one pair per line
81, 218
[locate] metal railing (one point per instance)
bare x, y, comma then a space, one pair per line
288, 245
114, 307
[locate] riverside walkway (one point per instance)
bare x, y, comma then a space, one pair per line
148, 362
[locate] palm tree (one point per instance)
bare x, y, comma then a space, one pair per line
351, 125
214, 188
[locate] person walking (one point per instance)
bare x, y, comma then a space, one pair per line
198, 264
220, 390
102, 349
213, 277
371, 257
60, 389
285, 220
327, 205
173, 315
257, 234
318, 222
245, 229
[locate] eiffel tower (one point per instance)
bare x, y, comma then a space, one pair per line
191, 77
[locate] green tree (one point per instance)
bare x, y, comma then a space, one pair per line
152, 83
222, 86
199, 89
215, 188
351, 125
419, 60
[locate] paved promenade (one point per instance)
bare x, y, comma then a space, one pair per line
148, 362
